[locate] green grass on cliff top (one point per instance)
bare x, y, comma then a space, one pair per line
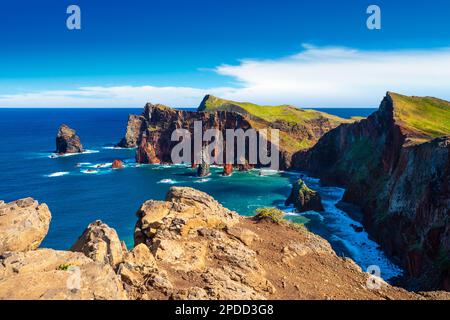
285, 113
429, 117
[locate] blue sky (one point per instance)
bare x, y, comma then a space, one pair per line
174, 51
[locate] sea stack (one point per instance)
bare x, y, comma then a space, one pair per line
203, 168
303, 198
67, 141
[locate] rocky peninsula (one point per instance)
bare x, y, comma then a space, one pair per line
151, 131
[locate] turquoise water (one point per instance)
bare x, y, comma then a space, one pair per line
82, 188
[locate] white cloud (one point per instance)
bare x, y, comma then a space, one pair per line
315, 77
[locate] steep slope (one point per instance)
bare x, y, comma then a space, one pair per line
396, 164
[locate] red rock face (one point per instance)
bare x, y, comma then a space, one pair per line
157, 123
403, 189
117, 164
227, 169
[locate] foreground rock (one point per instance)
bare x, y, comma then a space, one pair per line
303, 198
23, 225
57, 275
202, 250
101, 243
190, 247
67, 141
396, 166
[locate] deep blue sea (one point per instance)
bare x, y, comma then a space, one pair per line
82, 188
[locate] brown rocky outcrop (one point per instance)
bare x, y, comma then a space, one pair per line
23, 225
201, 250
303, 198
101, 243
117, 164
67, 141
398, 170
133, 131
47, 274
191, 247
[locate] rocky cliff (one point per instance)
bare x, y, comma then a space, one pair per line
191, 247
151, 131
395, 165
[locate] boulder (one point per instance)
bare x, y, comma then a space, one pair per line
101, 243
227, 169
23, 225
117, 164
47, 274
192, 235
67, 141
303, 198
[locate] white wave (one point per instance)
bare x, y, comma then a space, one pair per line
168, 181
89, 171
202, 180
268, 172
362, 249
102, 165
116, 148
56, 155
58, 174
83, 164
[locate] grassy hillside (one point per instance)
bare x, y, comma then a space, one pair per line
290, 120
427, 117
284, 113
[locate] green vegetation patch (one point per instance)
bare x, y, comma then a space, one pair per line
427, 116
273, 214
64, 266
287, 113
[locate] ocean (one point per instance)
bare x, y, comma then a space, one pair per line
80, 189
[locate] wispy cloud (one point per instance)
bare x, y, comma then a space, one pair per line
316, 77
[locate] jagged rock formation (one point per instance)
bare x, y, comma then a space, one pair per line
67, 141
134, 128
47, 274
151, 132
203, 167
396, 165
190, 247
23, 225
204, 251
303, 198
101, 243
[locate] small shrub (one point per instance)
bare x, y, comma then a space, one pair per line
64, 267
272, 214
